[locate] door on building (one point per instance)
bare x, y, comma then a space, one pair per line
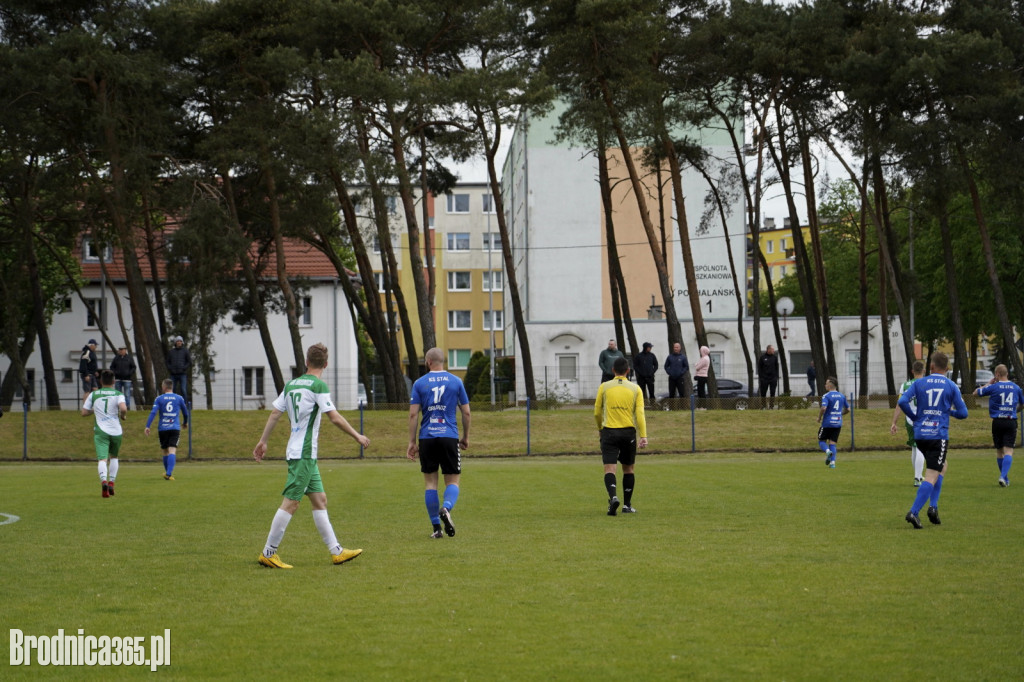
568, 376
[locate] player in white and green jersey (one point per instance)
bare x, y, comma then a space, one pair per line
305, 400
109, 408
915, 455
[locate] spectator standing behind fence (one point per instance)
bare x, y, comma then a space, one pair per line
123, 368
179, 361
676, 368
87, 369
700, 373
607, 359
645, 365
812, 379
768, 375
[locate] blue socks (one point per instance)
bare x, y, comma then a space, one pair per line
832, 450
936, 489
1005, 469
169, 461
451, 496
923, 493
433, 507
823, 446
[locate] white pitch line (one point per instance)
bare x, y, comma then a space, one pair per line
10, 518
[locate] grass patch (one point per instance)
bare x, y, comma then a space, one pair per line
229, 435
737, 566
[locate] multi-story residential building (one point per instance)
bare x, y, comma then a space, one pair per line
779, 253
466, 250
556, 221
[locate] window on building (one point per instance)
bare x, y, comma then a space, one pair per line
492, 241
458, 358
376, 244
770, 246
65, 306
252, 382
378, 278
458, 203
782, 245
66, 375
98, 306
91, 251
782, 270
458, 241
488, 203
305, 311
460, 320
498, 318
495, 278
392, 204
460, 280
568, 367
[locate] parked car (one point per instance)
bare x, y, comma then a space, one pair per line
981, 377
732, 394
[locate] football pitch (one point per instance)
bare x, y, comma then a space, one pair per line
753, 566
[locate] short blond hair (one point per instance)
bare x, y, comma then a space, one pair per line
316, 356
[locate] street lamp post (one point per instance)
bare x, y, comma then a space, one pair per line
784, 306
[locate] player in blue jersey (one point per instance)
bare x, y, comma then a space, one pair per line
173, 413
1005, 400
936, 398
439, 395
833, 407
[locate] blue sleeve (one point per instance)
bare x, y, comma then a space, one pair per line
463, 396
959, 407
186, 417
152, 414
686, 365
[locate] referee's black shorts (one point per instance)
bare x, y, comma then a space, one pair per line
618, 445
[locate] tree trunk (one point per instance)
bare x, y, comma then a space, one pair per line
620, 296
424, 304
511, 280
671, 318
959, 346
990, 264
252, 286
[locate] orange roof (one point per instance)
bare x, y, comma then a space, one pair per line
301, 259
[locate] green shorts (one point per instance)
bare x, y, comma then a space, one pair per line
910, 434
106, 445
303, 478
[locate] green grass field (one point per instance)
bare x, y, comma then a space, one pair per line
745, 566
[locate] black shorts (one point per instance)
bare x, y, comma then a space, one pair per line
934, 452
829, 433
440, 453
618, 445
1004, 433
169, 438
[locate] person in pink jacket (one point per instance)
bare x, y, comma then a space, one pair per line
700, 372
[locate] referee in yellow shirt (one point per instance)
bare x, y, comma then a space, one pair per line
619, 412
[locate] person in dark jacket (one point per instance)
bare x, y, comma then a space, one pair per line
607, 359
645, 365
676, 368
123, 368
768, 375
179, 361
88, 369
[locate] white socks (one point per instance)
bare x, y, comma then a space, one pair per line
918, 460
101, 465
277, 529
323, 524
112, 476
